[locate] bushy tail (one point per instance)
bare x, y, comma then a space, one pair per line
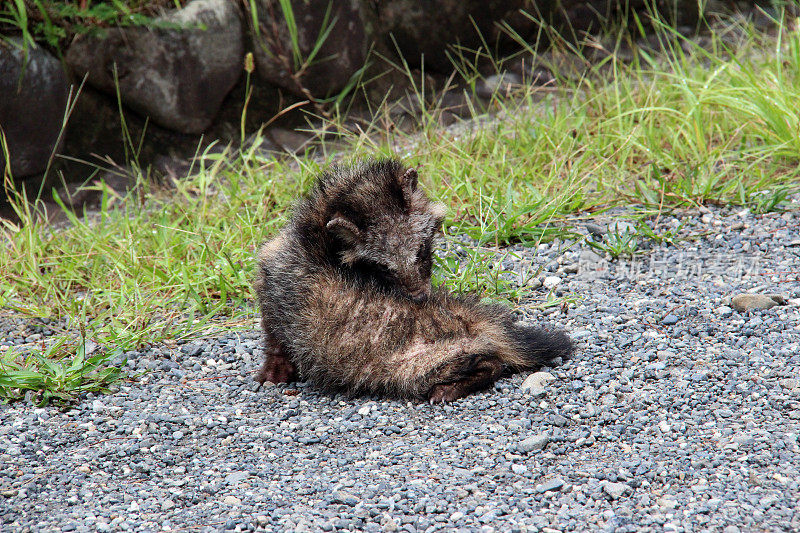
539, 347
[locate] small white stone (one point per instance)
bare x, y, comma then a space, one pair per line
664, 427
166, 505
537, 382
667, 502
518, 468
551, 282
231, 500
615, 490
664, 355
588, 256
724, 310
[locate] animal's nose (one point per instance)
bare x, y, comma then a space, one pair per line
419, 296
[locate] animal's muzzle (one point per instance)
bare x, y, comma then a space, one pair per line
421, 295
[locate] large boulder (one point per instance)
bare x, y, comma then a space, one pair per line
578, 17
33, 99
176, 72
341, 54
431, 28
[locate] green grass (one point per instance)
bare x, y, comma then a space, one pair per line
55, 23
480, 271
618, 242
670, 131
60, 371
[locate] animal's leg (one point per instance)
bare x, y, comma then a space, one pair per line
477, 373
277, 367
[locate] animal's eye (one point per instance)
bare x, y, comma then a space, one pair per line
374, 269
383, 270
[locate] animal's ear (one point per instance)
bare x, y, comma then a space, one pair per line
343, 229
408, 181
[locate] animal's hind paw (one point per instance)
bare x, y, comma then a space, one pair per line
444, 392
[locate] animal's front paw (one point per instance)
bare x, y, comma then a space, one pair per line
276, 369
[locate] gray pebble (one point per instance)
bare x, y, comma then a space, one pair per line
691, 427
670, 320
552, 485
534, 443
615, 490
344, 497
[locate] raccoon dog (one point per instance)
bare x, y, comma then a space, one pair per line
347, 304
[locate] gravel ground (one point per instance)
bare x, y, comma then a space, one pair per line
678, 413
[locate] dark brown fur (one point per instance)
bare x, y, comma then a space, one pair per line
347, 304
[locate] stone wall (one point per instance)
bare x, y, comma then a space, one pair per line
185, 76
